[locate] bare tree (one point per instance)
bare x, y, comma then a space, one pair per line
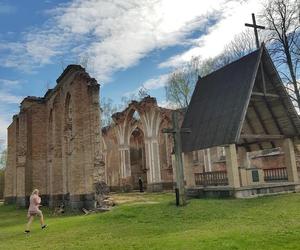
107, 109
242, 44
181, 83
62, 63
143, 92
282, 19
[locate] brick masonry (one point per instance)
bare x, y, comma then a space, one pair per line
54, 144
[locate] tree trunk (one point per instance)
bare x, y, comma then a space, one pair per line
293, 75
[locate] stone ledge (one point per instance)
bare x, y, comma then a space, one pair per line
243, 192
9, 200
73, 202
155, 187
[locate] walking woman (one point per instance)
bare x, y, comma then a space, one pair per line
34, 210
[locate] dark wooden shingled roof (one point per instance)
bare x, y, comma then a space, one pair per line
220, 102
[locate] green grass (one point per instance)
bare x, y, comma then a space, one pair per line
151, 221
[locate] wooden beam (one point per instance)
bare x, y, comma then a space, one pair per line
282, 100
264, 94
247, 144
232, 166
262, 136
266, 101
290, 160
273, 115
261, 121
263, 78
252, 131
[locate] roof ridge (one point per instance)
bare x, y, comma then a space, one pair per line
233, 62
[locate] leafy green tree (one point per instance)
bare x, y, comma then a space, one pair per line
181, 83
1, 183
3, 158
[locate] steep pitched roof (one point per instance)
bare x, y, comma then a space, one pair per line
220, 103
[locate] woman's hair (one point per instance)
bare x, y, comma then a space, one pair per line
35, 191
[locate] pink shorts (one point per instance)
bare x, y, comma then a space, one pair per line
34, 213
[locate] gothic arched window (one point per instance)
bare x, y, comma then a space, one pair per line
68, 109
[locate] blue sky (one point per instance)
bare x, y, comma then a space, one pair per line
128, 44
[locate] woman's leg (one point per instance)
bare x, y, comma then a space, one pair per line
29, 223
41, 218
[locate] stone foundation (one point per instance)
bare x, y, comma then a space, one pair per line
9, 200
264, 190
243, 192
73, 202
21, 201
154, 187
114, 188
77, 202
168, 185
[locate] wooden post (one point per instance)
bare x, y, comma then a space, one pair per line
178, 160
188, 169
232, 166
290, 160
176, 132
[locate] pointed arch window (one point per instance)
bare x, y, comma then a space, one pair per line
68, 109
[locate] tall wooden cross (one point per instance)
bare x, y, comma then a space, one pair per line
255, 26
176, 132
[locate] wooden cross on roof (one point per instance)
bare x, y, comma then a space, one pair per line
255, 26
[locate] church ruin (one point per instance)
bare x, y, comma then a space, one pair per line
134, 147
54, 144
243, 139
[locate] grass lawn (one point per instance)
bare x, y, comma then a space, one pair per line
151, 221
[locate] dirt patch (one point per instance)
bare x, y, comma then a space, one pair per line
135, 198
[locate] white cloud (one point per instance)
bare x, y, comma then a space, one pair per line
156, 83
5, 120
114, 35
9, 83
167, 105
8, 105
151, 84
125, 32
234, 15
8, 102
8, 98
